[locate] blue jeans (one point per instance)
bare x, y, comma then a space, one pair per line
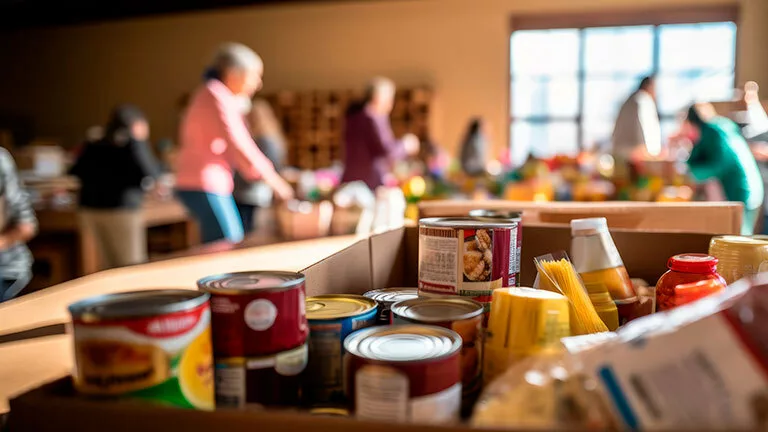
216, 214
10, 288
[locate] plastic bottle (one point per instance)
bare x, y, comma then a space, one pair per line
596, 259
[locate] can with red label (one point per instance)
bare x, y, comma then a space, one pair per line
258, 382
256, 313
468, 256
404, 373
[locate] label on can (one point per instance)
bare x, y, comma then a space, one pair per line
383, 393
515, 249
166, 358
261, 381
438, 260
260, 314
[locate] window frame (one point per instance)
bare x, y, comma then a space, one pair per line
618, 18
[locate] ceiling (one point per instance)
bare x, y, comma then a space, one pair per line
20, 14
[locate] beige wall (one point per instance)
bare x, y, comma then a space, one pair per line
68, 78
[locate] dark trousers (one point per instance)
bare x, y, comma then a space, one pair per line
248, 215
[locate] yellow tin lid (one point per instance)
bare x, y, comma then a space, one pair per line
335, 306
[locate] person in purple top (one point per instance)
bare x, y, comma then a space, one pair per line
371, 148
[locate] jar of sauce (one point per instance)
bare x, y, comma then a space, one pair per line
687, 271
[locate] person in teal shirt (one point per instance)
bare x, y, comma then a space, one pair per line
721, 153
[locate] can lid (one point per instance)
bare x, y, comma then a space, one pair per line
597, 224
334, 306
330, 411
435, 310
403, 343
392, 295
245, 282
133, 304
693, 263
495, 214
467, 222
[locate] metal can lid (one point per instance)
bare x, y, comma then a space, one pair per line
135, 304
467, 222
334, 306
434, 310
495, 214
403, 343
246, 282
392, 295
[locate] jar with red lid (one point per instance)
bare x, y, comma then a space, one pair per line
687, 271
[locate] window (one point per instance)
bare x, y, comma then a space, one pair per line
567, 84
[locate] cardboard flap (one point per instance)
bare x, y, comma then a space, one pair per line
388, 256
345, 272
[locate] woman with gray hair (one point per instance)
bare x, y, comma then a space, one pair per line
215, 141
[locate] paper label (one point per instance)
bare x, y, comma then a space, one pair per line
230, 386
438, 260
441, 407
700, 375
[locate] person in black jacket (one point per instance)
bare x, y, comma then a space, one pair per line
114, 174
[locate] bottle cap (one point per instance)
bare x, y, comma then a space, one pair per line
597, 224
693, 263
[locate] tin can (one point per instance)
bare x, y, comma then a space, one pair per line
329, 412
404, 373
463, 316
331, 319
469, 257
524, 322
739, 256
256, 313
386, 297
150, 345
258, 382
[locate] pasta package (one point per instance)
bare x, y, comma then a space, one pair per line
558, 275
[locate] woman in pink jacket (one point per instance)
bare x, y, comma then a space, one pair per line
215, 141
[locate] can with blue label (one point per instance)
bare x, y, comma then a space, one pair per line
331, 319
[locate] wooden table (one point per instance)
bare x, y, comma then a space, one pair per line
59, 230
25, 364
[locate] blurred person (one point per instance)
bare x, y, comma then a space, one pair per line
473, 148
721, 153
637, 130
371, 149
115, 172
269, 138
18, 226
215, 141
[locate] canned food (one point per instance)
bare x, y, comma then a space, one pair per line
469, 257
404, 373
331, 319
739, 256
386, 297
524, 322
257, 382
151, 345
463, 316
330, 412
256, 313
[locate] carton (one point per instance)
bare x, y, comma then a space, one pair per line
703, 217
384, 260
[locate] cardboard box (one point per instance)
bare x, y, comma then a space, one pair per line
702, 217
388, 259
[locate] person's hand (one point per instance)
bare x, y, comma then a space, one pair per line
282, 189
411, 144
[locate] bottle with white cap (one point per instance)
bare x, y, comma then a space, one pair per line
596, 258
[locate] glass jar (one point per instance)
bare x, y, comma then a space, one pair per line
690, 277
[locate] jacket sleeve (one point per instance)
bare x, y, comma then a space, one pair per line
241, 149
146, 162
383, 142
707, 159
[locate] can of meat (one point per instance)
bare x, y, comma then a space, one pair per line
256, 313
404, 373
331, 319
258, 382
463, 316
386, 297
469, 257
150, 345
